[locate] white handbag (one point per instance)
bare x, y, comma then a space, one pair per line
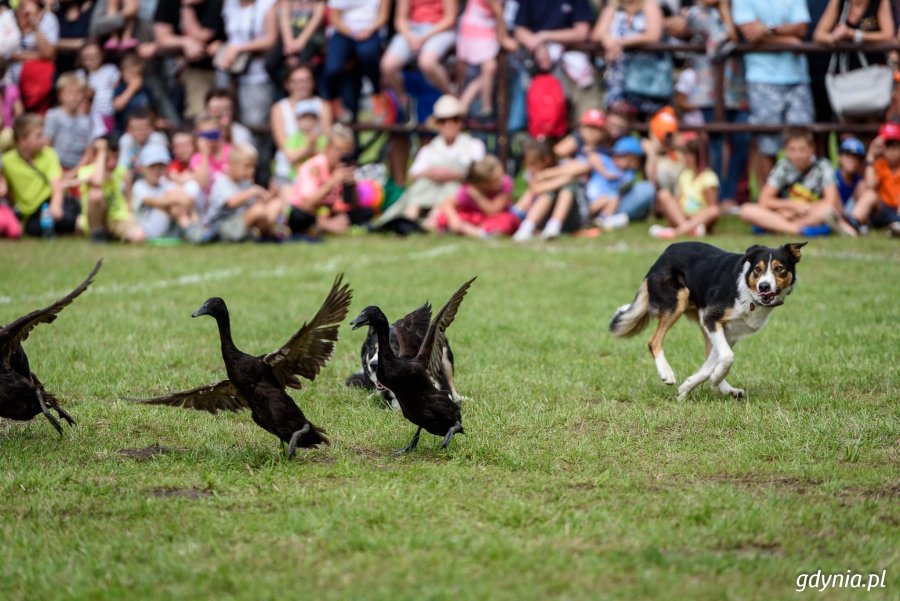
862, 92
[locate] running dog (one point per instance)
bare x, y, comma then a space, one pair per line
729, 294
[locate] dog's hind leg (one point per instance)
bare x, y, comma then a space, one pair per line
666, 320
706, 370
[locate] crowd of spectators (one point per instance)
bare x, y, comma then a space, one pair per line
227, 120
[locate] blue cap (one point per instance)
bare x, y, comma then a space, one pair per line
154, 154
853, 146
628, 145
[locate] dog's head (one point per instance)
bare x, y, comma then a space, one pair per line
771, 273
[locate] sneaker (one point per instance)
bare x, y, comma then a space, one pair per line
699, 231
838, 225
523, 235
815, 231
893, 230
552, 230
99, 236
403, 114
613, 222
662, 233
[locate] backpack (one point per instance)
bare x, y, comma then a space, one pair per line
546, 107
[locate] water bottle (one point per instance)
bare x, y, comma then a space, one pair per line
46, 221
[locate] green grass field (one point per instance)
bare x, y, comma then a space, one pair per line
580, 476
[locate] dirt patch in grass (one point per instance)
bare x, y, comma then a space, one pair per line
794, 484
146, 452
754, 549
168, 492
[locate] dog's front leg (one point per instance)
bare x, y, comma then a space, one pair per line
723, 352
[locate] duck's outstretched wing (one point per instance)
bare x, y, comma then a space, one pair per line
223, 396
431, 351
306, 353
410, 330
12, 335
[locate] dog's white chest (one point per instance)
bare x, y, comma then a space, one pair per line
746, 321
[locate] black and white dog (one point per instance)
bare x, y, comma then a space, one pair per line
730, 295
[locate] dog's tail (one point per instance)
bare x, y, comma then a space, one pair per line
631, 319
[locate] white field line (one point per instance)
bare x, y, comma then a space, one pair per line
331, 265
192, 279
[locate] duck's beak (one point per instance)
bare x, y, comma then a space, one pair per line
359, 322
201, 311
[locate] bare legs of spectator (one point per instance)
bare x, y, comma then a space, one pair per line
481, 87
128, 10
392, 77
434, 71
777, 221
865, 206
667, 204
399, 157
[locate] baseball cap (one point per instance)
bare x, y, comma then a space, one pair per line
663, 123
889, 132
593, 118
307, 107
154, 154
853, 146
628, 145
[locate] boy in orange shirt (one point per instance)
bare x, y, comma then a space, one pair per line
878, 203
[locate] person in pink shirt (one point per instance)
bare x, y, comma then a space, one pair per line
9, 223
425, 33
324, 195
482, 31
211, 157
481, 207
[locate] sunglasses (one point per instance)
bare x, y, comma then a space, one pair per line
209, 135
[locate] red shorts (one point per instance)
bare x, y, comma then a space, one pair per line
504, 223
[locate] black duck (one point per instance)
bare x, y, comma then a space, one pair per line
258, 383
22, 395
412, 373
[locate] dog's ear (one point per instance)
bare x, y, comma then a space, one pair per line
794, 249
752, 250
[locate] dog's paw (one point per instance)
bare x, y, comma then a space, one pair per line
737, 393
665, 371
683, 391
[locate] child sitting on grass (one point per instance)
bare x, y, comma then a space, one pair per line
549, 204
878, 203
308, 140
694, 207
183, 149
606, 203
105, 213
236, 204
481, 207
800, 197
325, 194
67, 127
164, 208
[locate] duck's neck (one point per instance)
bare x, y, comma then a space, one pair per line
225, 334
383, 333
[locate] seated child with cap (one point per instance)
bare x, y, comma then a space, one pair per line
308, 140
549, 207
695, 205
481, 207
164, 209
605, 206
237, 206
878, 202
105, 212
850, 173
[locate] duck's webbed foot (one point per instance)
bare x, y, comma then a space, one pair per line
292, 446
453, 430
46, 411
411, 446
